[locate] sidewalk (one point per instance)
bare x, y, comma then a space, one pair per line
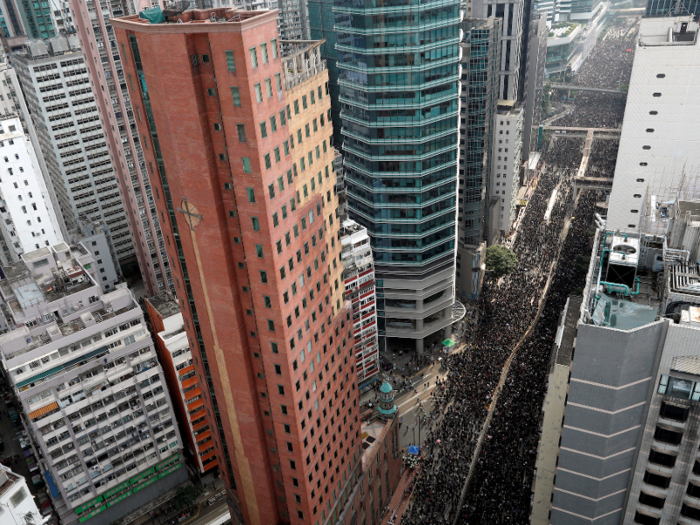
160, 511
399, 501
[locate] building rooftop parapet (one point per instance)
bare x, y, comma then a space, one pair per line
302, 61
669, 31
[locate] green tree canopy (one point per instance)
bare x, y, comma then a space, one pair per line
500, 260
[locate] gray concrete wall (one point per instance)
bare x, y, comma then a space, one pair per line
611, 383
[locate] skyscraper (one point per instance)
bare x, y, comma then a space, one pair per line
399, 108
245, 196
123, 143
481, 52
322, 27
514, 16
57, 89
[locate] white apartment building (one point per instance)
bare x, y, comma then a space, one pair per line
57, 89
84, 370
17, 506
360, 289
27, 217
660, 136
505, 174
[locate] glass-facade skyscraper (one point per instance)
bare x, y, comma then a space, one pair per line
398, 63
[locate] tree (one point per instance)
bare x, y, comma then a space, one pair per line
186, 496
500, 260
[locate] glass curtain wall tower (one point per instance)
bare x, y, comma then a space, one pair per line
398, 64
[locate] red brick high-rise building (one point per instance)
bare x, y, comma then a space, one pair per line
239, 141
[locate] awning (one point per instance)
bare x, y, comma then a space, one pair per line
43, 410
448, 343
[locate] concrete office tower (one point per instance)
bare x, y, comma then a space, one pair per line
400, 142
481, 54
621, 413
661, 129
360, 290
533, 82
28, 218
246, 199
84, 370
94, 235
511, 15
177, 360
672, 7
57, 89
123, 143
16, 502
505, 168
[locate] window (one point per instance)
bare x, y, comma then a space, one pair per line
653, 112
658, 480
263, 48
270, 325
267, 301
268, 87
263, 277
273, 45
246, 164
303, 101
650, 130
263, 129
646, 147
217, 126
236, 94
259, 251
256, 224
643, 164
258, 92
271, 189
674, 412
230, 62
655, 501
283, 118
657, 95
241, 132
667, 435
253, 57
277, 154
275, 220
646, 519
273, 123
661, 75
268, 163
296, 107
211, 92
278, 81
251, 194
222, 156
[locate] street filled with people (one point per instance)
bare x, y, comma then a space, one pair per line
608, 66
474, 474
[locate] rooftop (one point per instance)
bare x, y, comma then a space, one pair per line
8, 479
665, 31
165, 304
372, 434
180, 19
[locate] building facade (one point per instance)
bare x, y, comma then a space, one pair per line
512, 27
28, 218
251, 221
92, 393
481, 54
505, 168
97, 240
106, 73
661, 128
360, 290
60, 98
399, 112
177, 360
